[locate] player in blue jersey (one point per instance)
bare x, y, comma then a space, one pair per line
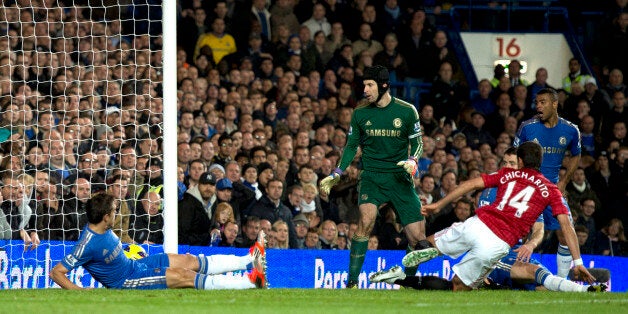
99, 251
556, 136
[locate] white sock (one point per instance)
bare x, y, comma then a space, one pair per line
214, 282
555, 283
219, 264
563, 261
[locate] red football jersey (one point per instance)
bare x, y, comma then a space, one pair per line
522, 195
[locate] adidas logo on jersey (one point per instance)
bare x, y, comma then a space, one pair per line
368, 123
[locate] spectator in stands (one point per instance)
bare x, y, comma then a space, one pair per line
190, 29
575, 74
222, 213
476, 133
312, 239
282, 13
619, 134
521, 108
17, 213
270, 207
583, 239
611, 240
229, 234
390, 231
250, 230
617, 113
147, 224
327, 235
585, 218
482, 102
426, 188
194, 211
539, 83
462, 210
373, 242
293, 200
447, 95
117, 186
129, 161
514, 74
87, 169
73, 206
391, 58
224, 194
225, 144
50, 215
366, 41
221, 43
595, 98
240, 193
415, 44
615, 83
498, 117
614, 43
301, 226
318, 21
280, 229
448, 182
261, 15
587, 135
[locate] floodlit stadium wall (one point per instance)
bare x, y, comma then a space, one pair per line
286, 268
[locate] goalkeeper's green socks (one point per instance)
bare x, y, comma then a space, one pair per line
410, 271
359, 246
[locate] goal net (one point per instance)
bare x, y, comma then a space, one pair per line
81, 103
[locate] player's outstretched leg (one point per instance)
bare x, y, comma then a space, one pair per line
555, 283
220, 264
417, 257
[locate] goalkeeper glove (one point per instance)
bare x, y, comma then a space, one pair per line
328, 182
410, 165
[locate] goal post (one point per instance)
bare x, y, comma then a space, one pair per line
170, 126
85, 109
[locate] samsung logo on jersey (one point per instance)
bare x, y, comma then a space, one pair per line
553, 150
524, 175
383, 132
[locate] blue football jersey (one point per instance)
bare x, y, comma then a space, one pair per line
554, 141
102, 256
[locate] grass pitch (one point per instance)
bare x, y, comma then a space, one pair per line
306, 301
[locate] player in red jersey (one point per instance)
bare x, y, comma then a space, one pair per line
522, 195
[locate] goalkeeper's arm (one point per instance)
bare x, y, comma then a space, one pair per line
347, 157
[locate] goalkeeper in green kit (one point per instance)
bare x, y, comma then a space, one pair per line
388, 131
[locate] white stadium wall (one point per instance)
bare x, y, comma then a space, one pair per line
550, 51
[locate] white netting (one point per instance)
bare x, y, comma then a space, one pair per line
81, 101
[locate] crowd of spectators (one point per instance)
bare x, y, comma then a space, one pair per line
266, 90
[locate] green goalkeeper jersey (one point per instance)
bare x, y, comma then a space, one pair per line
386, 135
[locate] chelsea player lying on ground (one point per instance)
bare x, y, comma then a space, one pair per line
99, 251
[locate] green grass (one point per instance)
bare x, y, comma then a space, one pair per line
305, 301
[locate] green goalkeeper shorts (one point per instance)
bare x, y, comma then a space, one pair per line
393, 187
